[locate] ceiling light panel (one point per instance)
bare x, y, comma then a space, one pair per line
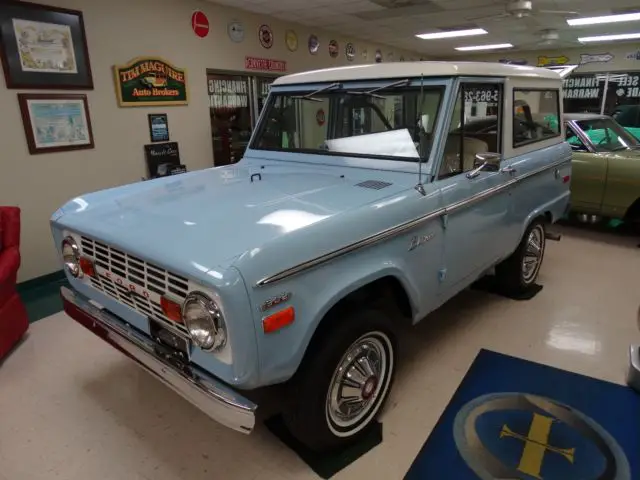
625, 17
609, 38
484, 47
452, 34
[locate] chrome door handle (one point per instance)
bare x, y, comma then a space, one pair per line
510, 170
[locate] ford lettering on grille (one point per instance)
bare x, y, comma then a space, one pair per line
134, 282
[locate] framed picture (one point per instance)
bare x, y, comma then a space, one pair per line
56, 122
43, 47
158, 127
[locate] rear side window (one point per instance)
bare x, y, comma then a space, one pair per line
536, 116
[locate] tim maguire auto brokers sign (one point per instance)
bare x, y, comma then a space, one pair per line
148, 81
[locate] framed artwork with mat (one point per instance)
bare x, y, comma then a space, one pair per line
43, 47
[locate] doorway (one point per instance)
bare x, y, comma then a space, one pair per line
235, 103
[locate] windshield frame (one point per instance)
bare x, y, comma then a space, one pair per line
618, 129
318, 156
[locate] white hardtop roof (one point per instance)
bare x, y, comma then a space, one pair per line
416, 69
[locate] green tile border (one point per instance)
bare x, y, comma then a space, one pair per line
41, 295
40, 281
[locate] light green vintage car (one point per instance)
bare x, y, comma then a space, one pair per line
606, 168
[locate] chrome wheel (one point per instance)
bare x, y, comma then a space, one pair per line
533, 254
359, 384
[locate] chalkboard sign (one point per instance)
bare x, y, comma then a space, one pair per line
161, 154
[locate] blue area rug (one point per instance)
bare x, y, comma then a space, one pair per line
514, 419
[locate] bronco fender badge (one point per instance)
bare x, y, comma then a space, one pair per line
273, 301
418, 240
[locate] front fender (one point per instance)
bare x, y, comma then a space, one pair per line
313, 294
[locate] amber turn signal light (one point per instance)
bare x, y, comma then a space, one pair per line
171, 309
87, 267
278, 320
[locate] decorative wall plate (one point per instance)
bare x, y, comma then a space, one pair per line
334, 48
235, 30
350, 51
265, 35
313, 44
291, 39
378, 56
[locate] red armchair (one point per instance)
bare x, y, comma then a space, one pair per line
13, 315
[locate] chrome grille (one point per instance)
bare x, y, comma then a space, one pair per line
147, 276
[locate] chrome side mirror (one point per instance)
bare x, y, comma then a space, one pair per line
488, 161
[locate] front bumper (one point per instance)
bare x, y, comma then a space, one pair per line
201, 389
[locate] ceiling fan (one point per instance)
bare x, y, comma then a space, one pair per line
522, 9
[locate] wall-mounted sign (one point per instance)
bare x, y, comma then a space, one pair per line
200, 24
266, 64
158, 127
595, 58
350, 51
148, 81
291, 39
235, 30
378, 56
334, 48
320, 118
265, 35
313, 44
513, 61
633, 55
546, 61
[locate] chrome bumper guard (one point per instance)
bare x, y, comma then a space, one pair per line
210, 395
633, 376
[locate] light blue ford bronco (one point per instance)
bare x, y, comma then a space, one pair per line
368, 196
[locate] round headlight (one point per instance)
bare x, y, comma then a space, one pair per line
71, 256
203, 318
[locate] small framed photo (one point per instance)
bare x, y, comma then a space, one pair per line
43, 47
158, 127
56, 122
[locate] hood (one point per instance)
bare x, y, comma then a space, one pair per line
205, 219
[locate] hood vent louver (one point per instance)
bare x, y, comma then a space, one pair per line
373, 184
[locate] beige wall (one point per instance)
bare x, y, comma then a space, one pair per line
118, 30
620, 62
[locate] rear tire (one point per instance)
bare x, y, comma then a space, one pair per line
343, 382
520, 271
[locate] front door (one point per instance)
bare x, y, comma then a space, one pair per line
477, 221
588, 175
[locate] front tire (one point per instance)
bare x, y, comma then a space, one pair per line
343, 382
519, 272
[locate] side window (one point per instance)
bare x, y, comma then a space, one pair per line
577, 145
475, 127
536, 116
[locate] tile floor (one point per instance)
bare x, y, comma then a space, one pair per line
73, 408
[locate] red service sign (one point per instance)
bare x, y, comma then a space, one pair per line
200, 24
254, 63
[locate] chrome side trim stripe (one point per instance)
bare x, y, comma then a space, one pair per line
398, 229
390, 232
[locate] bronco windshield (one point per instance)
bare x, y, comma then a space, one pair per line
607, 135
390, 122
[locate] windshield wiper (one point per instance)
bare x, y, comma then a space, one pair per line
310, 96
372, 93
